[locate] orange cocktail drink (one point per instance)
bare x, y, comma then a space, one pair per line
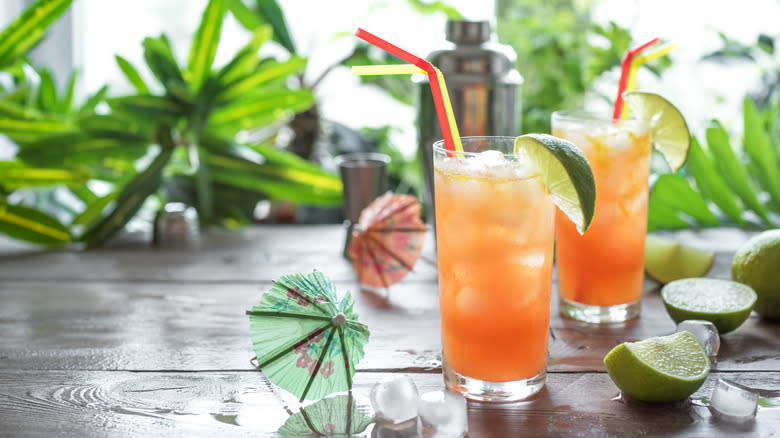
495, 230
600, 273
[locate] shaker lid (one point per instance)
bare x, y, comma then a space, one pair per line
473, 56
468, 32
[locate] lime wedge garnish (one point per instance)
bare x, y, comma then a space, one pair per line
725, 303
668, 130
565, 172
668, 260
662, 369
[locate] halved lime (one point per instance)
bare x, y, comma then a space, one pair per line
565, 172
668, 260
668, 130
662, 369
725, 303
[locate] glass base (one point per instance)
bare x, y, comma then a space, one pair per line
483, 390
599, 314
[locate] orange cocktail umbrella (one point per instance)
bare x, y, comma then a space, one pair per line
387, 240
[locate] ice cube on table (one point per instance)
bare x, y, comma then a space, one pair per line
394, 399
443, 414
406, 429
733, 402
705, 332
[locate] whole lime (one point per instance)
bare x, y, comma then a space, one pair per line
757, 264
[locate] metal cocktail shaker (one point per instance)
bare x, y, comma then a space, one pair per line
483, 86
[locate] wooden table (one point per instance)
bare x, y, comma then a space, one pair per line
131, 340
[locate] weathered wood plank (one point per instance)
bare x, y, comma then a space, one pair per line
170, 326
98, 403
587, 404
162, 326
578, 346
137, 404
130, 340
251, 255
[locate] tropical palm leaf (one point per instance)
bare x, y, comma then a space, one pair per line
301, 185
28, 224
28, 29
132, 196
204, 45
132, 75
15, 175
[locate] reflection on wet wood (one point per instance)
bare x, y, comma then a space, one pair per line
96, 403
163, 326
589, 404
105, 325
131, 340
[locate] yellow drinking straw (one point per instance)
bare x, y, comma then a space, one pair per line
393, 69
636, 63
450, 114
408, 69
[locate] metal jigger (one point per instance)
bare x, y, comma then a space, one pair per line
364, 177
176, 225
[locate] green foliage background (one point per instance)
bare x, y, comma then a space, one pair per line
176, 145
182, 143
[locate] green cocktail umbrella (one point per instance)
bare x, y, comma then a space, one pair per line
306, 336
338, 415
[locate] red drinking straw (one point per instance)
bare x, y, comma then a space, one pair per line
393, 49
625, 66
438, 100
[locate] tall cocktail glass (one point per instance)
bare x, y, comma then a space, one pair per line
495, 233
600, 273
